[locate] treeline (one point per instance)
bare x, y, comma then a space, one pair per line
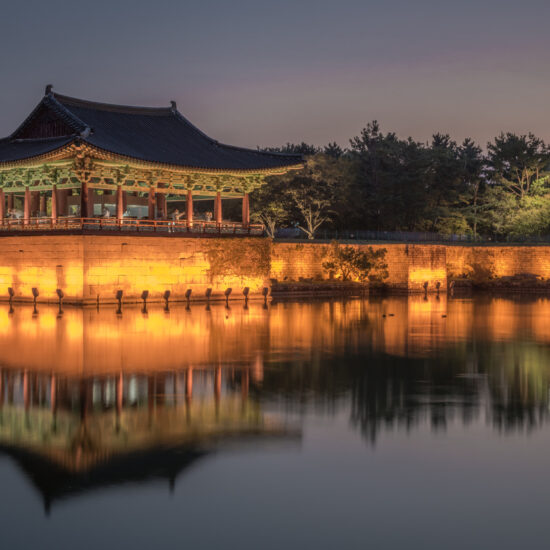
384, 183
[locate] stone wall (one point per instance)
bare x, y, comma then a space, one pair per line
409, 266
484, 262
86, 267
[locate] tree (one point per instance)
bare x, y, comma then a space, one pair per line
472, 163
268, 206
312, 192
350, 263
389, 180
519, 163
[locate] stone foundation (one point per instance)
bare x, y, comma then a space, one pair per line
89, 268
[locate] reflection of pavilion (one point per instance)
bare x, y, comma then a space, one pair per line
71, 435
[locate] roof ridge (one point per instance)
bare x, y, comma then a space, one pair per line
70, 118
68, 101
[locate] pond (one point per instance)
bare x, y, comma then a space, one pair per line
385, 422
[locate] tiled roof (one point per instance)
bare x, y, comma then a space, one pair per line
12, 150
160, 135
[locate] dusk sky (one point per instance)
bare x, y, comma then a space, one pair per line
264, 73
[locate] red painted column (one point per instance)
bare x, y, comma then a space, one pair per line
27, 207
151, 204
119, 203
61, 199
189, 208
54, 204
218, 208
246, 210
35, 203
42, 207
161, 204
84, 196
2, 206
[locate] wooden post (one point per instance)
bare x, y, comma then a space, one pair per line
189, 208
42, 207
10, 201
151, 203
246, 211
161, 204
218, 208
61, 199
27, 207
119, 203
54, 204
84, 199
2, 206
35, 203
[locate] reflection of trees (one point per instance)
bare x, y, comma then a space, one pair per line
504, 384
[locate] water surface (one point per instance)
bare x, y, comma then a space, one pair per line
383, 423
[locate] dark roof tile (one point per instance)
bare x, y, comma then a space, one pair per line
160, 135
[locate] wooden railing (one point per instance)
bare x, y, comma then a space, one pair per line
127, 224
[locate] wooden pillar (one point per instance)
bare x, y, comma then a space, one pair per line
84, 196
119, 203
27, 207
151, 203
189, 208
54, 204
218, 208
42, 207
2, 206
161, 204
61, 199
35, 203
10, 201
246, 210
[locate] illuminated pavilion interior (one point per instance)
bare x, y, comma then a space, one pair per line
73, 159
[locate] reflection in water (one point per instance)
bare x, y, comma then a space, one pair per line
71, 434
91, 398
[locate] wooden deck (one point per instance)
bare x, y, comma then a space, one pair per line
110, 225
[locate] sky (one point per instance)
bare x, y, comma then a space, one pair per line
267, 73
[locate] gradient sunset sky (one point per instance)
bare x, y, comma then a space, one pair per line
264, 73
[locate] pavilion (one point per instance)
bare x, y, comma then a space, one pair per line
72, 163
